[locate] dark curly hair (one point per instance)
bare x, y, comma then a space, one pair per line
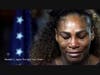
47, 48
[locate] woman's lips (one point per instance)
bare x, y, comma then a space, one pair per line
74, 54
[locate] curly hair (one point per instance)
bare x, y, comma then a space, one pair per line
47, 48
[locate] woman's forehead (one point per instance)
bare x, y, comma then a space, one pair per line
72, 22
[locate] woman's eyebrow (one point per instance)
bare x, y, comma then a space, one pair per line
68, 33
78, 32
82, 31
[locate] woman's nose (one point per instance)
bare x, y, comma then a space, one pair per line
73, 43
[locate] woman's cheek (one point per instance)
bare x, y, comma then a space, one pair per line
63, 45
84, 43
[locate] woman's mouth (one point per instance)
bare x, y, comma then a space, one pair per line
74, 54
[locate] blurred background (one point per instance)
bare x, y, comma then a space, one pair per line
39, 18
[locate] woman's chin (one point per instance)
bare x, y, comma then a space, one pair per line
74, 59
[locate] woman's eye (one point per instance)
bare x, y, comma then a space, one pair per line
65, 36
82, 36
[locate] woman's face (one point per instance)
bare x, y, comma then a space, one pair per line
74, 37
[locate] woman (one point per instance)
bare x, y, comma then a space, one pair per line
68, 39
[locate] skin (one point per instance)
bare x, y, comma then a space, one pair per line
74, 37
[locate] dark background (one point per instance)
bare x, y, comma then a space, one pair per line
6, 24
